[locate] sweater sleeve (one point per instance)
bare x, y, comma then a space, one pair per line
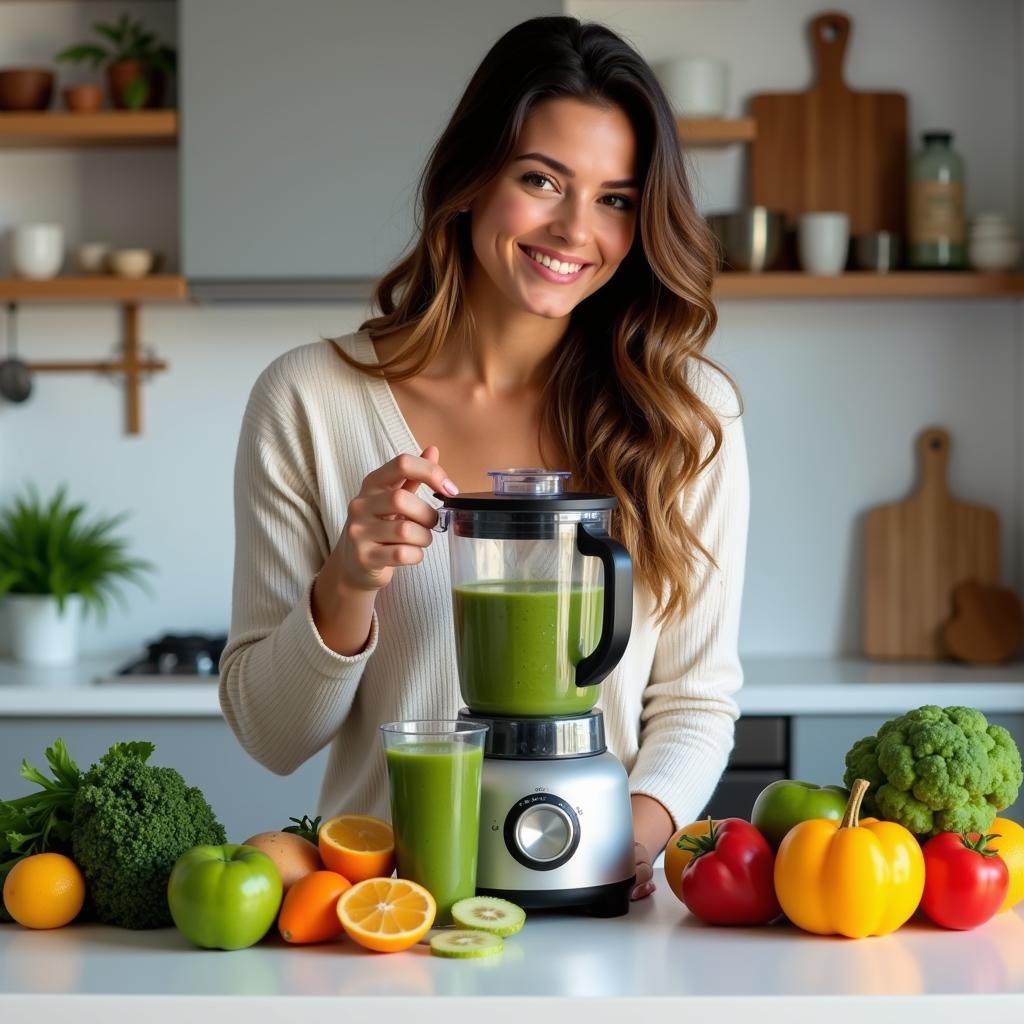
689, 713
284, 693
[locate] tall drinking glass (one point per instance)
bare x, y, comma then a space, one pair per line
434, 772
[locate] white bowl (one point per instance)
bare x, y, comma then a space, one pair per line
131, 262
91, 257
991, 254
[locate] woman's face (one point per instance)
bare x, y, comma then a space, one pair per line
568, 194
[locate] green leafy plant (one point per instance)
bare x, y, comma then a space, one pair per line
129, 40
39, 822
47, 548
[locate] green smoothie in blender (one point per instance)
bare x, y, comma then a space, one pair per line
519, 641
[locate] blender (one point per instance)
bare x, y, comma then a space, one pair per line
543, 600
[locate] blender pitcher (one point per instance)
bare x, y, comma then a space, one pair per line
543, 597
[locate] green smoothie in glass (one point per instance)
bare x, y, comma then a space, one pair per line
518, 643
435, 813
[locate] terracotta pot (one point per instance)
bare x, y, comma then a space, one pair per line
25, 88
122, 73
83, 99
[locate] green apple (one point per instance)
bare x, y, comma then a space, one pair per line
224, 897
786, 802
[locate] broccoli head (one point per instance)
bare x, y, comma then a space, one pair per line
130, 823
937, 770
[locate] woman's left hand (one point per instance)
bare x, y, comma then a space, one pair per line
644, 873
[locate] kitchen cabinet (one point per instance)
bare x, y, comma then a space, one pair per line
246, 797
305, 126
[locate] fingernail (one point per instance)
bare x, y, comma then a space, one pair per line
449, 487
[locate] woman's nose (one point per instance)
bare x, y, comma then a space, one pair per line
572, 223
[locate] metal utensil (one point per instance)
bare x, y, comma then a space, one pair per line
879, 251
750, 239
15, 376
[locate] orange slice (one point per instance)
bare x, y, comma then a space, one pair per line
358, 847
386, 915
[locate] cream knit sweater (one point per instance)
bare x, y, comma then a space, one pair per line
313, 429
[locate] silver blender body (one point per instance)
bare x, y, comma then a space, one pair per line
556, 826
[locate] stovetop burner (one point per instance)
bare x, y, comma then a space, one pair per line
179, 655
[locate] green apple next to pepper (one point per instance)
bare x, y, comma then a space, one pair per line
786, 802
224, 897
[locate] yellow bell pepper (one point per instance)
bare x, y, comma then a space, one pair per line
849, 877
1010, 846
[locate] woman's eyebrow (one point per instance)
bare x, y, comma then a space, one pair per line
556, 165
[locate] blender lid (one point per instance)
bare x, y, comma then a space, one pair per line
529, 490
541, 739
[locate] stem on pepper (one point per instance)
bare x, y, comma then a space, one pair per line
851, 817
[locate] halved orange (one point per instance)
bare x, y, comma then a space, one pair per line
386, 915
358, 847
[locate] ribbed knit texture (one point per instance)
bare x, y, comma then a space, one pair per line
314, 428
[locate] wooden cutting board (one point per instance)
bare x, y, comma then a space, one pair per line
917, 552
831, 147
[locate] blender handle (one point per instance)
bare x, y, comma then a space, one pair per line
617, 620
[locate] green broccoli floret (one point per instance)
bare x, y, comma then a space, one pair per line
937, 770
131, 821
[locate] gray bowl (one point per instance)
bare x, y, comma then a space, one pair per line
750, 239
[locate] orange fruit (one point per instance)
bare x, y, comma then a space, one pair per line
309, 912
386, 914
45, 890
358, 847
676, 859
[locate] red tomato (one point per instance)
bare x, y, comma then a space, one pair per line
730, 879
965, 882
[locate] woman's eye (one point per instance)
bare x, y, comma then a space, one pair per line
620, 202
538, 180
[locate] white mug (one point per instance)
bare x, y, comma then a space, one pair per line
695, 86
823, 242
37, 250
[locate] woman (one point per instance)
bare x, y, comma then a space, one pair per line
552, 313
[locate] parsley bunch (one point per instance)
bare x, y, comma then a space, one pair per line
39, 822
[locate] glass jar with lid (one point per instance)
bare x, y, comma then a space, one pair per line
937, 229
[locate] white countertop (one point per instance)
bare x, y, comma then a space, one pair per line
658, 959
773, 686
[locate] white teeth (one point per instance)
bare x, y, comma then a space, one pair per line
558, 266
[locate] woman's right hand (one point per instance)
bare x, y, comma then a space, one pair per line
388, 525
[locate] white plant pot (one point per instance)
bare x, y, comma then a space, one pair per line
40, 634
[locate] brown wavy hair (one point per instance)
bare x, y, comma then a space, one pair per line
631, 422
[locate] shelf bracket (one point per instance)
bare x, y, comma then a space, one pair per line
132, 365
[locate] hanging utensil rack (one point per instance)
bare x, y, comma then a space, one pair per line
133, 364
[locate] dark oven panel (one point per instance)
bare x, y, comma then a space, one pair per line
760, 756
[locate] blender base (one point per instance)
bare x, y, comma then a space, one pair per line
611, 900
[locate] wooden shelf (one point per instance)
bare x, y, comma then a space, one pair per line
101, 288
712, 131
864, 285
103, 128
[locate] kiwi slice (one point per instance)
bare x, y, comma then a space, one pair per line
489, 914
465, 944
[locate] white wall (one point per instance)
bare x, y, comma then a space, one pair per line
835, 392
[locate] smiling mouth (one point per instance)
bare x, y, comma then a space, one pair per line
559, 269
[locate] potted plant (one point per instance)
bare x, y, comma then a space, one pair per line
54, 566
138, 66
